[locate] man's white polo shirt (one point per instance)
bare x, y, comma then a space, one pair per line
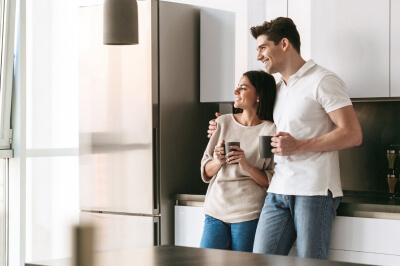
301, 109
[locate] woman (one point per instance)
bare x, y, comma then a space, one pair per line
236, 192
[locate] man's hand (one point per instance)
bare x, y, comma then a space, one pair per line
219, 153
284, 144
212, 126
347, 134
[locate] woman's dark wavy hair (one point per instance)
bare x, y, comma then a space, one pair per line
265, 86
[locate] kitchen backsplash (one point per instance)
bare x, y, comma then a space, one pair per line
365, 168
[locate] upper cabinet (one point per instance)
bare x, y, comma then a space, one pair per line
356, 39
350, 38
217, 55
394, 48
276, 8
227, 49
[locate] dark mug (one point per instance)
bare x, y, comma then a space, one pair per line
227, 144
265, 146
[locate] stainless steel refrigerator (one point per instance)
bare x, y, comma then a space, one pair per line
142, 127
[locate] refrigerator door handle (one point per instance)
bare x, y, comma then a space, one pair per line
156, 175
157, 240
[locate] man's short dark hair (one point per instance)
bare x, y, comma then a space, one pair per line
277, 29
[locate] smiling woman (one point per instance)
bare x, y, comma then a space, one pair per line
238, 177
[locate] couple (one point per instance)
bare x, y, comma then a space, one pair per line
314, 119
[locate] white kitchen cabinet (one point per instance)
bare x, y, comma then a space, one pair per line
364, 257
358, 257
217, 55
365, 240
227, 49
394, 49
256, 15
379, 236
276, 8
300, 12
356, 240
348, 37
189, 222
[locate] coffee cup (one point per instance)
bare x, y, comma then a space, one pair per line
265, 146
228, 144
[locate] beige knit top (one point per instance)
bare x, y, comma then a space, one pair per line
232, 195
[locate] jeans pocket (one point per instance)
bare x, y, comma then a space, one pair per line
336, 202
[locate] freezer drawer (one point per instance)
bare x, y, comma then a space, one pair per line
119, 232
116, 182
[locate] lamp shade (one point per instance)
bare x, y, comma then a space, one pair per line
120, 22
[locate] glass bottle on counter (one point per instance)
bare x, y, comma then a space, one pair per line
392, 182
392, 156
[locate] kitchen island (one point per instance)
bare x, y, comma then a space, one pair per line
185, 256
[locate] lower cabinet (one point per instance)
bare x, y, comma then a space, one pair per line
363, 257
357, 240
365, 240
189, 222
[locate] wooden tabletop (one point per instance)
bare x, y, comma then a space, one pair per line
185, 256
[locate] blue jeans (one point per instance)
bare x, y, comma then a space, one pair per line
307, 218
230, 236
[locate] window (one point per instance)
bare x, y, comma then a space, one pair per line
7, 29
52, 128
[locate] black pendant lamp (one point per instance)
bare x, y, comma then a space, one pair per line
120, 22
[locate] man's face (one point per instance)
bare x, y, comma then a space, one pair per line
269, 54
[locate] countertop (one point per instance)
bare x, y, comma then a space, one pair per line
185, 256
354, 204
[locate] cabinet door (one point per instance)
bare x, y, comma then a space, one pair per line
394, 49
351, 38
189, 222
367, 235
363, 257
217, 55
348, 37
300, 12
276, 8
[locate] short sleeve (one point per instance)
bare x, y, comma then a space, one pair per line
332, 93
268, 168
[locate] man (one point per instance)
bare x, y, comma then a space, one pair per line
314, 119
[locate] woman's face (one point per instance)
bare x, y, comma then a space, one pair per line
245, 95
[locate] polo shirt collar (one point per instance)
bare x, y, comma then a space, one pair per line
307, 66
